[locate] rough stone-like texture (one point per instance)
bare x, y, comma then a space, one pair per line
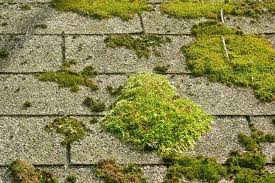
31, 54
222, 138
265, 124
92, 50
264, 24
25, 138
219, 99
101, 145
157, 22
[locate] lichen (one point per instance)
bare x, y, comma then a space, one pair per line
72, 129
94, 105
4, 53
112, 172
250, 60
149, 114
24, 172
70, 79
144, 46
211, 9
125, 9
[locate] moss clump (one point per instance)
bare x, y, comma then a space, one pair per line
149, 114
27, 104
110, 171
71, 179
250, 60
161, 69
143, 46
125, 9
72, 129
249, 176
195, 169
94, 105
24, 172
3, 53
114, 91
211, 9
40, 26
25, 6
71, 79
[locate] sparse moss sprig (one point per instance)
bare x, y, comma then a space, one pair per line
125, 9
149, 114
72, 129
144, 46
24, 172
111, 171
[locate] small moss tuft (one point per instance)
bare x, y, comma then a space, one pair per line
68, 63
24, 172
93, 120
110, 171
149, 114
71, 179
114, 91
25, 6
273, 120
71, 79
143, 46
94, 105
72, 129
40, 26
125, 9
161, 69
3, 53
194, 169
27, 104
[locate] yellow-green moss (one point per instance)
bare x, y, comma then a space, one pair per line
71, 128
112, 172
211, 9
70, 79
24, 172
144, 46
149, 114
250, 60
125, 9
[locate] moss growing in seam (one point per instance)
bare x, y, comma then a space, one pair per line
211, 9
24, 172
252, 176
250, 60
72, 129
112, 172
3, 53
149, 114
73, 80
194, 169
125, 9
144, 46
161, 69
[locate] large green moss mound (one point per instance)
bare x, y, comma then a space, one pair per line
250, 61
124, 9
211, 8
149, 114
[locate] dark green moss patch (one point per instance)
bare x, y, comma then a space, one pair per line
27, 104
195, 169
41, 26
125, 9
71, 179
247, 60
4, 24
273, 120
114, 91
25, 6
71, 79
94, 105
72, 129
112, 172
149, 114
4, 53
161, 69
144, 46
24, 172
205, 8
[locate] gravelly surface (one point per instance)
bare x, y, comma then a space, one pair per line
71, 36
